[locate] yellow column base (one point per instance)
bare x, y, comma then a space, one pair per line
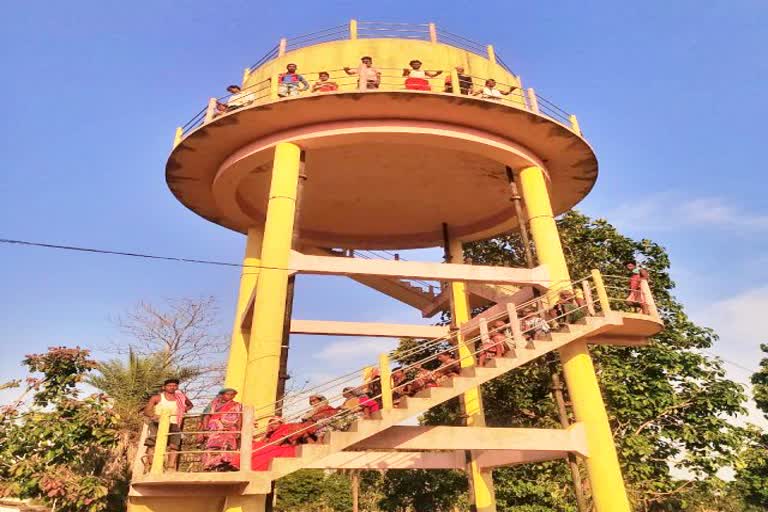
245, 503
178, 504
481, 481
602, 464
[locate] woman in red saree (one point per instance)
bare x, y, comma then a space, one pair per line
223, 419
274, 443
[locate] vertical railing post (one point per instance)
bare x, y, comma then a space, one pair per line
432, 33
177, 136
514, 324
246, 438
491, 54
211, 110
246, 75
533, 102
138, 468
385, 375
161, 443
282, 46
353, 29
588, 297
574, 124
648, 297
484, 336
274, 84
455, 85
602, 294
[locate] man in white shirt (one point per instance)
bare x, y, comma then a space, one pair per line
368, 75
171, 400
489, 92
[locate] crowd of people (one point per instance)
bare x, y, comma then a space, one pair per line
222, 420
292, 83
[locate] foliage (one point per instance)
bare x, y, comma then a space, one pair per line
61, 448
422, 491
668, 403
311, 490
752, 474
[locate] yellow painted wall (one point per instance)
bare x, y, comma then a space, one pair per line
176, 504
390, 56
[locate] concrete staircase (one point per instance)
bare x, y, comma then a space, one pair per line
409, 407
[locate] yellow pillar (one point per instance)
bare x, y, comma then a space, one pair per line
238, 349
252, 503
261, 377
481, 480
161, 444
603, 467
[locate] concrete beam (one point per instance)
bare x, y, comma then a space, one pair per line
572, 439
454, 459
373, 329
331, 265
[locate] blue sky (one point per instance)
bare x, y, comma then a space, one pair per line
671, 94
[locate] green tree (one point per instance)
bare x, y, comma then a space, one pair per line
752, 473
311, 490
669, 404
61, 449
422, 491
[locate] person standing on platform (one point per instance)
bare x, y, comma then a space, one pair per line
222, 421
171, 400
490, 92
367, 74
416, 78
291, 83
465, 82
324, 83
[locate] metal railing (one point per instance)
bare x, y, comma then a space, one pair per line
421, 367
390, 79
379, 30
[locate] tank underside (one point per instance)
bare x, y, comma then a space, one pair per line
385, 170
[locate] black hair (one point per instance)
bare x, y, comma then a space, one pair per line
290, 64
367, 57
233, 85
170, 381
323, 73
415, 60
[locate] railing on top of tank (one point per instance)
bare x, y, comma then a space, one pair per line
380, 30
391, 79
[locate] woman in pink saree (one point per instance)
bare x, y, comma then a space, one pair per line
223, 420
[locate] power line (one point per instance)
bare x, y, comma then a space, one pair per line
132, 254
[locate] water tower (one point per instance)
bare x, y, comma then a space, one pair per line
320, 181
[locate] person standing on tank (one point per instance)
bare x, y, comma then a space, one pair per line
367, 74
173, 401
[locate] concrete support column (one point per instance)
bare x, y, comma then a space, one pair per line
603, 466
481, 481
262, 371
238, 349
